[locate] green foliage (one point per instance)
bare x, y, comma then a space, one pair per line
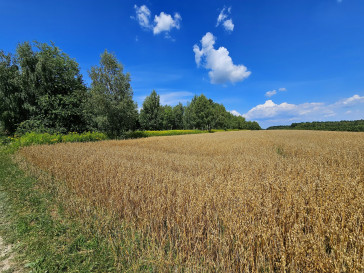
12, 97
173, 132
143, 134
344, 125
202, 113
178, 113
34, 138
133, 134
43, 85
167, 117
111, 104
5, 140
150, 117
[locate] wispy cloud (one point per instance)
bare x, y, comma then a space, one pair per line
356, 99
274, 92
163, 23
224, 19
221, 66
270, 93
142, 15
169, 98
271, 113
174, 98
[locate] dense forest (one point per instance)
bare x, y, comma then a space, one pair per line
344, 125
42, 90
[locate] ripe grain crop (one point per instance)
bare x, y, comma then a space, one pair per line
251, 201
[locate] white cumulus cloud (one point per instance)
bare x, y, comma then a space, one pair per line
228, 25
270, 113
221, 66
269, 109
235, 113
224, 19
163, 22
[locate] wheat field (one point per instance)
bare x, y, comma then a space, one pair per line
248, 201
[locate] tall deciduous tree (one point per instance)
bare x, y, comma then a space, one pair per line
178, 112
112, 102
199, 113
167, 117
12, 110
45, 88
151, 115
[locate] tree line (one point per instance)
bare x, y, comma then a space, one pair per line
201, 113
344, 125
42, 89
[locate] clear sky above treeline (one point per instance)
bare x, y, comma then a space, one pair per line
272, 61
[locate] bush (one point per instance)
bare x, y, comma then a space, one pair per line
30, 126
4, 140
133, 134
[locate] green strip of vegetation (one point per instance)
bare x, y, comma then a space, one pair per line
34, 138
141, 134
344, 125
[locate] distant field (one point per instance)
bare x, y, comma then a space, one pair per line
237, 201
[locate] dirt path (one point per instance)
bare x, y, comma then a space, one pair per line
7, 254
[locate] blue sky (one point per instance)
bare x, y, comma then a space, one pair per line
273, 61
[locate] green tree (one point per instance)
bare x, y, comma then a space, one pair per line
150, 115
12, 110
199, 113
44, 88
189, 117
112, 105
59, 89
203, 113
220, 117
178, 112
167, 117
